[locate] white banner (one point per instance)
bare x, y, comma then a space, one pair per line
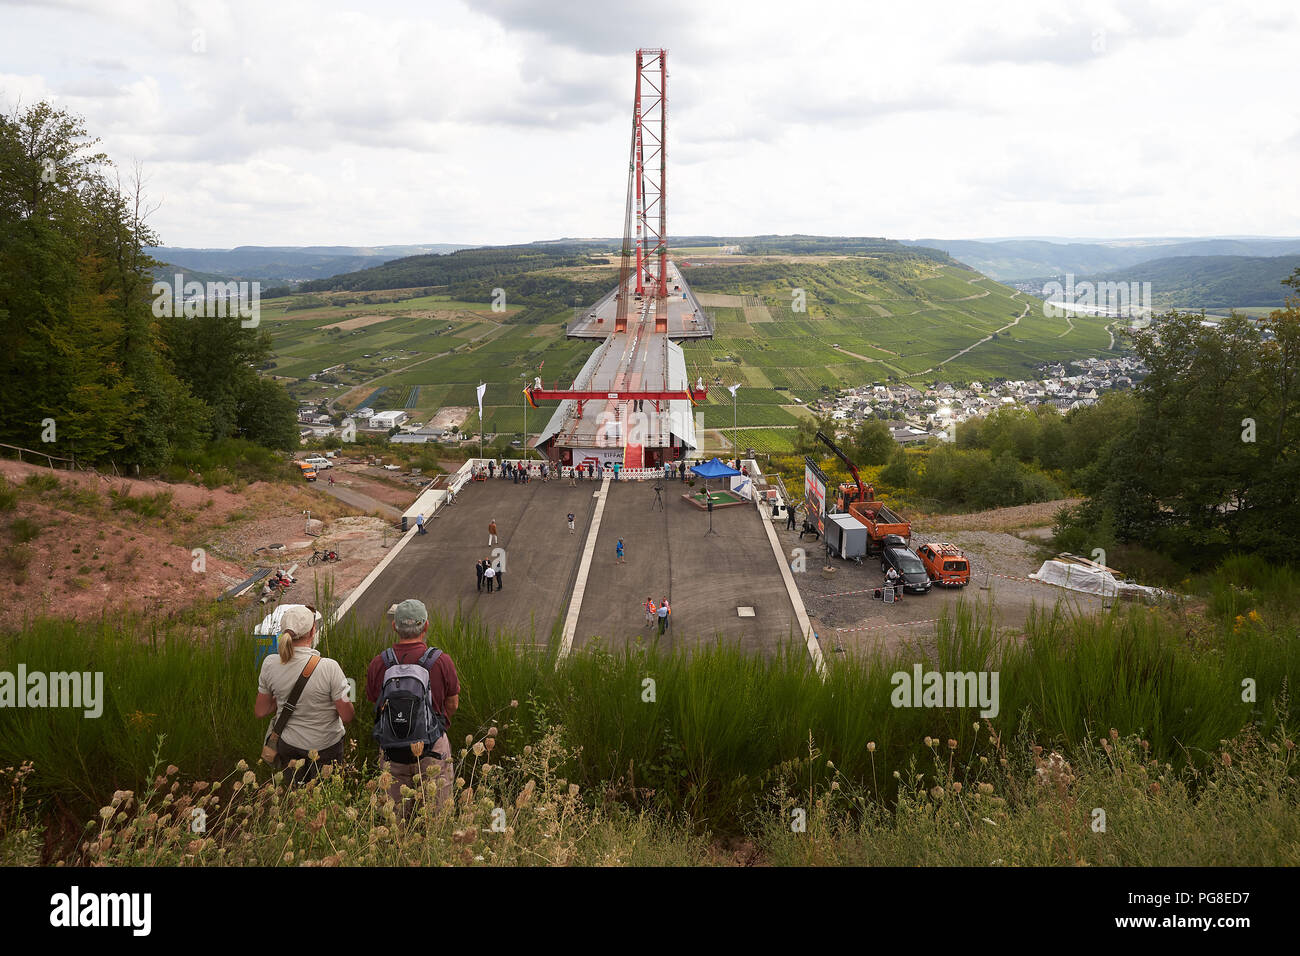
481, 389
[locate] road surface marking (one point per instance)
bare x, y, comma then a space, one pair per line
580, 583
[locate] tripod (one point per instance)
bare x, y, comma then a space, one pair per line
710, 531
659, 498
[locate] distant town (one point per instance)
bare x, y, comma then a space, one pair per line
915, 414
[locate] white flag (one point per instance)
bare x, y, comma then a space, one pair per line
481, 389
732, 389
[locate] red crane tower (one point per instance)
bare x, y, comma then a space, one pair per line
647, 207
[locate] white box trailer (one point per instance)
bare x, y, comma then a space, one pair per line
846, 536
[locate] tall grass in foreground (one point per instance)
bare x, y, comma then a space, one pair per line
720, 731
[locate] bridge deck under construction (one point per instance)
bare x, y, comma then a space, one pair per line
686, 318
636, 360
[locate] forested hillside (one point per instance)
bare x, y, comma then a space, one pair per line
90, 370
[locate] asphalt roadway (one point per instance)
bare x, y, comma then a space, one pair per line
668, 554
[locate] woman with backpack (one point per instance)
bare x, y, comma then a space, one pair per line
308, 694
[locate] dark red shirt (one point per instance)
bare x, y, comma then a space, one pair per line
443, 682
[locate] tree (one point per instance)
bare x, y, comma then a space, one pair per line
870, 442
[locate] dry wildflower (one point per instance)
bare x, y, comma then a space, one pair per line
318, 822
937, 793
956, 786
976, 725
928, 741
514, 703
242, 765
172, 768
249, 776
478, 749
952, 744
573, 789
417, 749
492, 732
528, 749
986, 788
1227, 759
835, 784
984, 760
469, 739
288, 856
871, 746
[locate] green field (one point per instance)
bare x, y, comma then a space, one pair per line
867, 319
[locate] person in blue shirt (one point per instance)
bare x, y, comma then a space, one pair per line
618, 552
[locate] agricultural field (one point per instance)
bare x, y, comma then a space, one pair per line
864, 320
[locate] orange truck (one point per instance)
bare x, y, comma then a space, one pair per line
859, 501
946, 564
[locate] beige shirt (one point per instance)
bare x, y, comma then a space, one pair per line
315, 723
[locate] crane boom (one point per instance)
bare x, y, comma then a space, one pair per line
862, 492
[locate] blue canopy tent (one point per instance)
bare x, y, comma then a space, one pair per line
713, 469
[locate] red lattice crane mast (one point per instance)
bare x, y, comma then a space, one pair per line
646, 214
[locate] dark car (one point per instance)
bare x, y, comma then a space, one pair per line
907, 564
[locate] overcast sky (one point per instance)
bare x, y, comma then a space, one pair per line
492, 121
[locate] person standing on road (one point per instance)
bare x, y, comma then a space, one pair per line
650, 611
478, 575
681, 471
492, 532
499, 577
618, 552
492, 468
489, 574
662, 614
789, 516
570, 522
573, 480
419, 523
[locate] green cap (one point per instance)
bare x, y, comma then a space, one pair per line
410, 612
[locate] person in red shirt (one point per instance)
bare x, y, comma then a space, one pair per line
411, 622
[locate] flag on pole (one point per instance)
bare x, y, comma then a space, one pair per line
481, 389
732, 389
540, 364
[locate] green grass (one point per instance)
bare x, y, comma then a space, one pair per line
723, 719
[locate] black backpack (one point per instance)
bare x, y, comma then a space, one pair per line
404, 712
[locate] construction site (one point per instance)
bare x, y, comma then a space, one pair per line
631, 403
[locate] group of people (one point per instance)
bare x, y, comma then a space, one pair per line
677, 471
657, 612
489, 576
311, 702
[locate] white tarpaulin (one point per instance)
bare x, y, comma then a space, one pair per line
743, 486
1077, 577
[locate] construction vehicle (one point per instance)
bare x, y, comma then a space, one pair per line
859, 500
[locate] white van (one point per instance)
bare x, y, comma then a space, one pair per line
319, 462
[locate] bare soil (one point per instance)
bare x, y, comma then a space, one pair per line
88, 557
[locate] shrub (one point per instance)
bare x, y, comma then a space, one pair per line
24, 529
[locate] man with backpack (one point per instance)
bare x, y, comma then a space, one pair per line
416, 691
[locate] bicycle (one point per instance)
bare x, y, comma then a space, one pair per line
319, 557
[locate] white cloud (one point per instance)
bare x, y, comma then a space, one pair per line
499, 120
